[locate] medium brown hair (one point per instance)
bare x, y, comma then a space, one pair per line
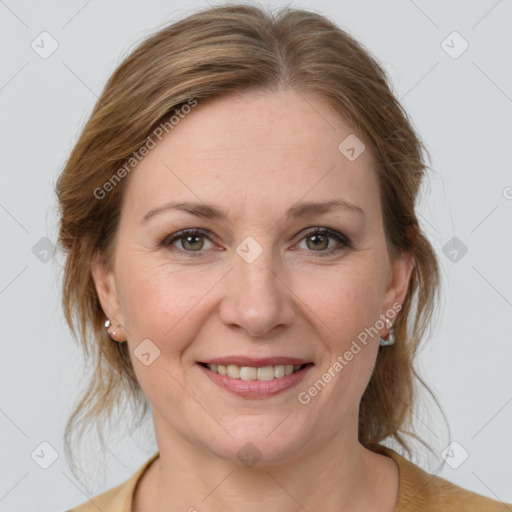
212, 53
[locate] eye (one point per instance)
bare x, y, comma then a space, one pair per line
190, 240
317, 241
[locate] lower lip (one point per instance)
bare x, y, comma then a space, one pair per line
256, 388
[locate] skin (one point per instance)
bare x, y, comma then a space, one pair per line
255, 155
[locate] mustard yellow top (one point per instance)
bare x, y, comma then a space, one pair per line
419, 491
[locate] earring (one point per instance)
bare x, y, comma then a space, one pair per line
111, 334
386, 342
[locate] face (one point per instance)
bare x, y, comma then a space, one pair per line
263, 280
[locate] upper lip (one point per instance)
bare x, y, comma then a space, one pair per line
256, 361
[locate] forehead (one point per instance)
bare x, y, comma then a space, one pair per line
256, 151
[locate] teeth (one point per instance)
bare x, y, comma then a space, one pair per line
233, 371
252, 373
248, 373
279, 371
265, 373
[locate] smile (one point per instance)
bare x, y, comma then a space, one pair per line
258, 381
254, 373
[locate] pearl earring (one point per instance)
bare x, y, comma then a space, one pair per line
386, 342
111, 334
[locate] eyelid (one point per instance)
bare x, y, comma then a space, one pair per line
168, 240
333, 233
343, 241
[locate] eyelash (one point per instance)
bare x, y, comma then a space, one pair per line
342, 239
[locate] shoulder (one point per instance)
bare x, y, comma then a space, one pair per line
421, 491
117, 499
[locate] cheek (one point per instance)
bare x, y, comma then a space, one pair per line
161, 304
348, 309
346, 301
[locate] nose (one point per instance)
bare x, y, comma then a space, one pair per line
258, 300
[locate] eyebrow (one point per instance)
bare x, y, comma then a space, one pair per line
210, 211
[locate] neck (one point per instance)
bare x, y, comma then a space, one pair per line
340, 474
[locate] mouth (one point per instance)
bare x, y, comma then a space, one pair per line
262, 373
255, 378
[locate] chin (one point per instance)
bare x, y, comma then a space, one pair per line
258, 442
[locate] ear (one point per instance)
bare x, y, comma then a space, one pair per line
104, 282
398, 283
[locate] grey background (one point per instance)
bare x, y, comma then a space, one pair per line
461, 107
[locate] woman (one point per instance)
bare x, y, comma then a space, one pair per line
243, 253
